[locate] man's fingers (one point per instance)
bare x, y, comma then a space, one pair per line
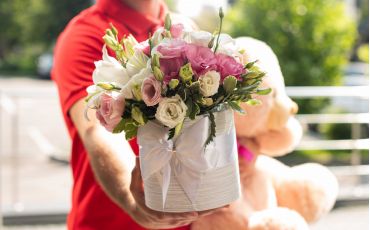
136, 180
210, 211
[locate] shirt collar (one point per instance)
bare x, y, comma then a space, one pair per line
135, 21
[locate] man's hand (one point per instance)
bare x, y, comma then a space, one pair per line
149, 218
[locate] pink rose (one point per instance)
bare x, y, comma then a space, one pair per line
177, 30
227, 65
151, 91
173, 48
202, 59
110, 111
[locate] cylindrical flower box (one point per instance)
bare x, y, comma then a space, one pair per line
183, 174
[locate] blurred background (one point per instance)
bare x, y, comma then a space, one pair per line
323, 49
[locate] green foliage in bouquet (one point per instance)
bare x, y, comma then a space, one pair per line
312, 38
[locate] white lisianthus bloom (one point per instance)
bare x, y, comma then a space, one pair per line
109, 70
129, 43
227, 45
200, 38
157, 36
136, 81
136, 63
209, 83
171, 111
94, 93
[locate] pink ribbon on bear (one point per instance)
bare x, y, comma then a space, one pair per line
245, 153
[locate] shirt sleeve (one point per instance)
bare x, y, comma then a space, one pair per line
77, 48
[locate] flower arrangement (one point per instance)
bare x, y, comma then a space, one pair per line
175, 75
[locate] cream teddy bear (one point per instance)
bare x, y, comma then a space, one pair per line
274, 196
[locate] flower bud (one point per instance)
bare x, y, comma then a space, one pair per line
208, 101
114, 30
136, 91
167, 22
158, 73
186, 73
221, 13
105, 86
173, 83
137, 115
229, 84
166, 34
155, 61
111, 42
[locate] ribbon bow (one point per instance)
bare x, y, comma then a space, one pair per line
185, 155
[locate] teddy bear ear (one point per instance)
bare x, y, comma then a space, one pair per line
280, 142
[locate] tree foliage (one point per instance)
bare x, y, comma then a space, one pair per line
312, 38
29, 27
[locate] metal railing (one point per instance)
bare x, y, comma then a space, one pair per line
356, 189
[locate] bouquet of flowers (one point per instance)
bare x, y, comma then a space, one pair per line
176, 89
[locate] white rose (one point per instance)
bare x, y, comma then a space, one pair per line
201, 38
209, 83
171, 111
109, 70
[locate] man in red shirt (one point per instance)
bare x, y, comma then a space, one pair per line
105, 194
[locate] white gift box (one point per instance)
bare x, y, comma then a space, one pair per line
182, 174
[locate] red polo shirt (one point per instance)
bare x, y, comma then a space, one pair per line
78, 46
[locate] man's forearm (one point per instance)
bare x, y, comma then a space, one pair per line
112, 161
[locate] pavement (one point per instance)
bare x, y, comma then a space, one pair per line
32, 131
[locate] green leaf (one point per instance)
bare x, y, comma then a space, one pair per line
248, 89
120, 126
251, 74
264, 91
212, 129
235, 107
129, 134
189, 103
183, 93
195, 87
195, 111
171, 133
250, 64
254, 102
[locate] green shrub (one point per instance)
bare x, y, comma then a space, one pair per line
312, 38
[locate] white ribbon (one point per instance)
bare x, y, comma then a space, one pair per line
186, 154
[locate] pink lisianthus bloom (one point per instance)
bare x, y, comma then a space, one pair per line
151, 91
177, 30
227, 65
202, 59
170, 68
110, 111
172, 58
171, 48
144, 47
